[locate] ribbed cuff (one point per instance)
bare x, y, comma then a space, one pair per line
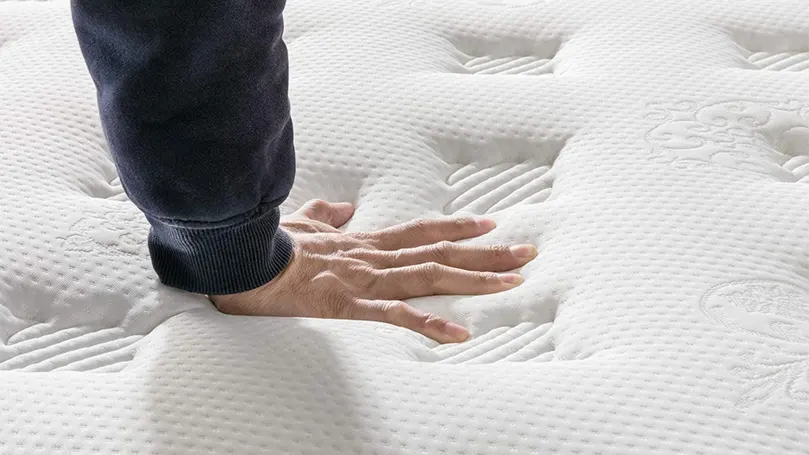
221, 260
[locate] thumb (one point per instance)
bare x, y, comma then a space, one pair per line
333, 214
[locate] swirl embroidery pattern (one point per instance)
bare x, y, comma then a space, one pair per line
767, 139
778, 314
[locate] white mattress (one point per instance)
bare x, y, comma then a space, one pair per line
656, 152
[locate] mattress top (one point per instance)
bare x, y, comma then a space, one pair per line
657, 153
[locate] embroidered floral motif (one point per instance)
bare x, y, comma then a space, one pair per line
778, 314
116, 232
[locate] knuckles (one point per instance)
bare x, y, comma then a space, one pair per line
441, 251
341, 306
428, 273
419, 224
317, 207
327, 280
367, 277
395, 311
433, 320
499, 251
462, 223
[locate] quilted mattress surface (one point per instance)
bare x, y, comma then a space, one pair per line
656, 152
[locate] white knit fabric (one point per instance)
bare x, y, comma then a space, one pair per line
656, 152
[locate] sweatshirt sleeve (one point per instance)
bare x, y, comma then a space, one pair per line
193, 101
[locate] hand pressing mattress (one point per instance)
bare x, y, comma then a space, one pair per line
656, 153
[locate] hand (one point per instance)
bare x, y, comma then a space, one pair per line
365, 275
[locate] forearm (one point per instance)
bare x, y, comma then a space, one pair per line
193, 101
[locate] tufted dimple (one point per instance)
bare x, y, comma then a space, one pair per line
525, 342
498, 173
780, 61
506, 56
775, 52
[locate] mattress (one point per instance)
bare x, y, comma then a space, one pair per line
657, 153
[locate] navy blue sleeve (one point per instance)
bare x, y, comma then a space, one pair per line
193, 102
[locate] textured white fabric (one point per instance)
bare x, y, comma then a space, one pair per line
656, 152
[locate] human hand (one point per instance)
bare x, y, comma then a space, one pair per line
365, 275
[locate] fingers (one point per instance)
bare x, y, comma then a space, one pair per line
333, 214
498, 258
425, 232
437, 279
403, 315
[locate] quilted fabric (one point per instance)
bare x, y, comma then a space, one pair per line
656, 152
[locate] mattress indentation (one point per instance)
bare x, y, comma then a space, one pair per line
499, 174
783, 61
783, 52
506, 56
109, 187
799, 166
117, 192
75, 348
526, 66
521, 343
482, 188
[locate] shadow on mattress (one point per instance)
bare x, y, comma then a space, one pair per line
225, 384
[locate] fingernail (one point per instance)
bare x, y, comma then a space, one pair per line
486, 224
456, 332
511, 278
524, 251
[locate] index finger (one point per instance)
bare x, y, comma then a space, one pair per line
426, 232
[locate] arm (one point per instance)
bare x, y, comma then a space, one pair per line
193, 101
